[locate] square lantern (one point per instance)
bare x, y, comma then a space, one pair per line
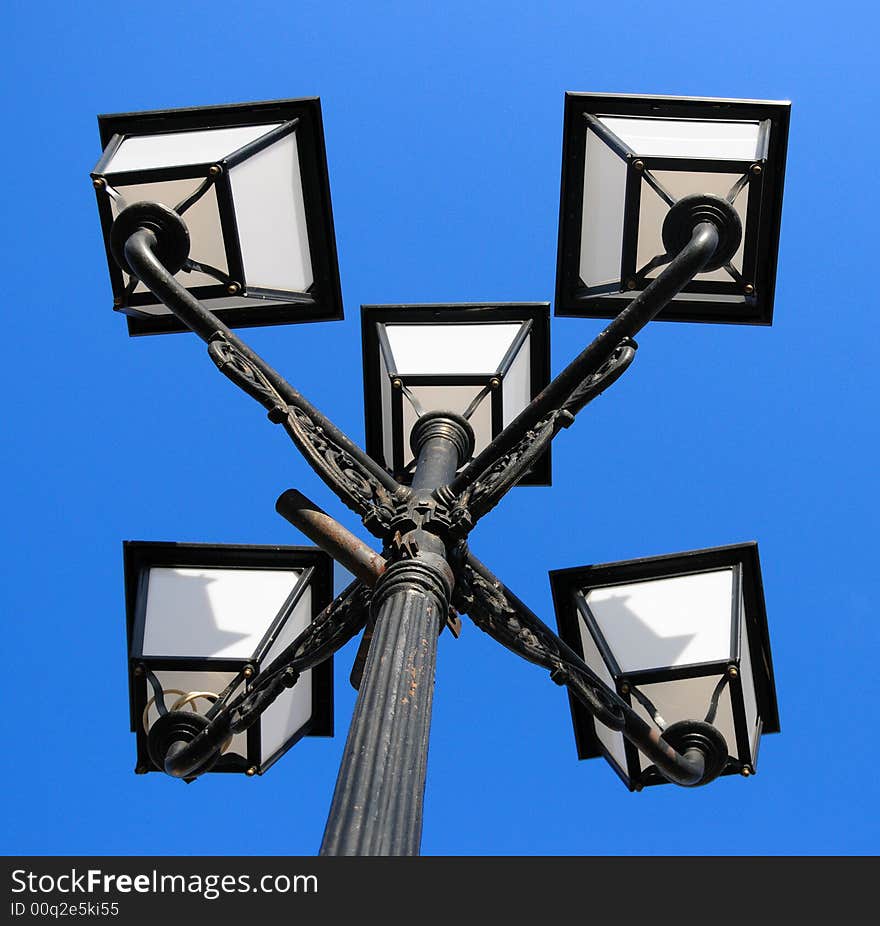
626, 160
250, 182
203, 617
485, 362
684, 636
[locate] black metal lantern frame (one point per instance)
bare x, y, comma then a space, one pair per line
316, 570
381, 377
747, 295
235, 301
748, 615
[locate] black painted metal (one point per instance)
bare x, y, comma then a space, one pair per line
440, 441
377, 804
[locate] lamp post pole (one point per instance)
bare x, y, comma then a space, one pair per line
379, 796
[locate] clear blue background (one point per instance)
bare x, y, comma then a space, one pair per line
443, 128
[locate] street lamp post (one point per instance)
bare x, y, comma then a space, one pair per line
716, 251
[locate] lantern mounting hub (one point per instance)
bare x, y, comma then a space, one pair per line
697, 740
689, 212
447, 425
179, 728
172, 235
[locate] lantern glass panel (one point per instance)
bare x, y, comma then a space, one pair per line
612, 740
220, 613
516, 384
687, 138
753, 719
176, 149
270, 215
603, 215
293, 707
428, 350
660, 623
386, 398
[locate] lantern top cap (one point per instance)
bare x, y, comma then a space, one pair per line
192, 118
660, 102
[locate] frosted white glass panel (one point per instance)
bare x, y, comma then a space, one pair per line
653, 210
293, 707
386, 416
736, 141
271, 218
610, 739
450, 399
186, 682
453, 349
212, 612
602, 219
666, 622
689, 700
202, 219
173, 149
748, 686
516, 386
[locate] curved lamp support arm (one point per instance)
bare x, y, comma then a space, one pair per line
571, 389
498, 612
359, 481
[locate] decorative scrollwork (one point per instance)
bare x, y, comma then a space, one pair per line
505, 618
608, 374
507, 471
233, 364
348, 478
495, 481
355, 485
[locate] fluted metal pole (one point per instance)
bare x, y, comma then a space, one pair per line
377, 804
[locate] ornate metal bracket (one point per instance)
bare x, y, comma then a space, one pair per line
352, 482
498, 612
502, 475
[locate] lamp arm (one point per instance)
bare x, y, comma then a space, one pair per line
498, 612
484, 481
357, 480
341, 620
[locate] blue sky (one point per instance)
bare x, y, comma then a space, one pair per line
443, 127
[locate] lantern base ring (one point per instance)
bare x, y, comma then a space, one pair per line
178, 729
172, 235
689, 212
699, 741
